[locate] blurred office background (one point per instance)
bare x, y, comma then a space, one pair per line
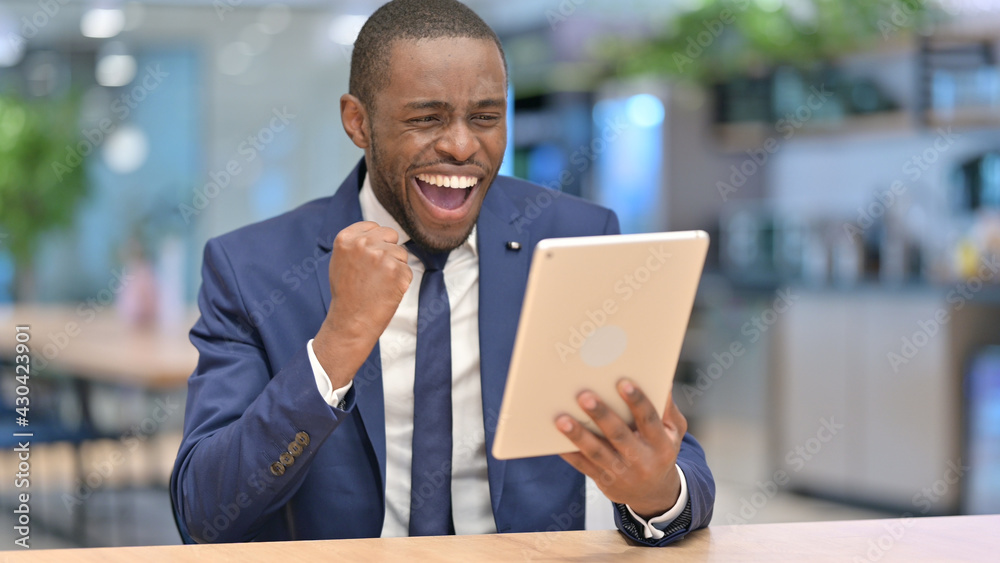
842, 359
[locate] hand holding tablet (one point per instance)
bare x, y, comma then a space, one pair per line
597, 345
596, 310
633, 467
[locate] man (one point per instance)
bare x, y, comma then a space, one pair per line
317, 409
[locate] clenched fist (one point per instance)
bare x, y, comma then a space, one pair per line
369, 275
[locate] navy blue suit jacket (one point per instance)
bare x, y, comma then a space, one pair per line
265, 292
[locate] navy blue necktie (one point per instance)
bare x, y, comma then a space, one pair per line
430, 477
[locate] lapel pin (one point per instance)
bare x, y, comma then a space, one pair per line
513, 245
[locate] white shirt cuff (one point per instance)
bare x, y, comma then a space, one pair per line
334, 396
651, 529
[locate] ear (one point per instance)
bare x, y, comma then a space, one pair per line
355, 119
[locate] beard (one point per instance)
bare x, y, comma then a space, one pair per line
401, 209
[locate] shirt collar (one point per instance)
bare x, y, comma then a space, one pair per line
372, 210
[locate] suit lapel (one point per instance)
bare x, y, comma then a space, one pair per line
502, 275
345, 209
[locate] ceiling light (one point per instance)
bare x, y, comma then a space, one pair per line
102, 23
116, 70
126, 150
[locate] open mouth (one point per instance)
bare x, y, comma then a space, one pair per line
448, 193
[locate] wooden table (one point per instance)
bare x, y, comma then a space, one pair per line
101, 347
956, 538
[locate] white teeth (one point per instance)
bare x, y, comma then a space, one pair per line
456, 182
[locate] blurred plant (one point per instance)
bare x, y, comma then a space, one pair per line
35, 196
721, 39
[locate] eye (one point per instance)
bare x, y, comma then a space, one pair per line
423, 119
486, 118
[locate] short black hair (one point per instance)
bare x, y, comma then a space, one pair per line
408, 20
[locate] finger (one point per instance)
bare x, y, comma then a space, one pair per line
398, 252
353, 236
362, 227
404, 275
647, 420
596, 450
615, 430
674, 420
387, 234
349, 234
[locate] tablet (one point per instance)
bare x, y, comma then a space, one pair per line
596, 309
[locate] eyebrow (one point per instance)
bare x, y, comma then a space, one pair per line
490, 103
439, 105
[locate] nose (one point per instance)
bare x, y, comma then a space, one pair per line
458, 142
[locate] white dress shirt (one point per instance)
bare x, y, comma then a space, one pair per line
470, 491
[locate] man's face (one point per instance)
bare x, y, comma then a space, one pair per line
438, 136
